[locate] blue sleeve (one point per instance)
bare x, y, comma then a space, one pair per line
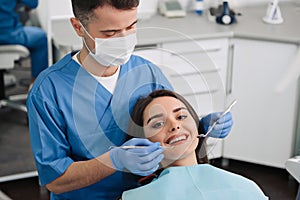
49, 143
30, 3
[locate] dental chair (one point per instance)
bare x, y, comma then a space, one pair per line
9, 54
292, 165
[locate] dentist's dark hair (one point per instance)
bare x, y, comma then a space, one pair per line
135, 127
83, 9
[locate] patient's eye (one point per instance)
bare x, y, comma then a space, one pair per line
182, 117
157, 125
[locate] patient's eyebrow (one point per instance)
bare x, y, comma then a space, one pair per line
154, 116
179, 109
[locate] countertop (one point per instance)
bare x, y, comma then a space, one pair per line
249, 26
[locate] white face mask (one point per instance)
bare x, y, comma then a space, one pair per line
113, 51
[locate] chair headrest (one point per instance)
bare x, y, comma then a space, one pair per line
19, 49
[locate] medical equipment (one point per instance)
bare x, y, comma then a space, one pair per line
273, 15
199, 7
292, 165
139, 147
226, 17
222, 115
171, 8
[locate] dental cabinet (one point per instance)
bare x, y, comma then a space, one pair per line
242, 69
264, 118
253, 58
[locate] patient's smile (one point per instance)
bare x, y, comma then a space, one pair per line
177, 139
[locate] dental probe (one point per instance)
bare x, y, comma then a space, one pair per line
222, 115
139, 147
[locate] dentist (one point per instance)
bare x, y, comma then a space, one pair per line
79, 108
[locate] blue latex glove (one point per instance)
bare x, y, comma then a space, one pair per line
223, 126
140, 161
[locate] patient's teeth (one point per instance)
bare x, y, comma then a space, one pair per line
177, 139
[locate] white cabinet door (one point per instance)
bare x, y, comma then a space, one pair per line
197, 70
264, 120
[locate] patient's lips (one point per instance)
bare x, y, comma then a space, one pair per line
177, 139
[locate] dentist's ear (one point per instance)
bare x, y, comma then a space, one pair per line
77, 26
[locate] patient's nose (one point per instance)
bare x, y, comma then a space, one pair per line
174, 127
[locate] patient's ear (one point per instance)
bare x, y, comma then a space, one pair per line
77, 26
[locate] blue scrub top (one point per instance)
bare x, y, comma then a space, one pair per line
199, 182
72, 117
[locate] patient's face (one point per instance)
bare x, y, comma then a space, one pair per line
167, 120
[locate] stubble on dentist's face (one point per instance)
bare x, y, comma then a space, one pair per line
167, 120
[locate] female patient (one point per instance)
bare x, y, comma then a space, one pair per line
166, 117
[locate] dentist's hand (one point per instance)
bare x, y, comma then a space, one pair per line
140, 161
223, 126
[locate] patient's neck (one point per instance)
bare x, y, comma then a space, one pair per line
187, 161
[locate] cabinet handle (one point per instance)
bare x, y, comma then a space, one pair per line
201, 93
229, 81
146, 47
194, 73
212, 49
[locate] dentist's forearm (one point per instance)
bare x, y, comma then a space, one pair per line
81, 174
